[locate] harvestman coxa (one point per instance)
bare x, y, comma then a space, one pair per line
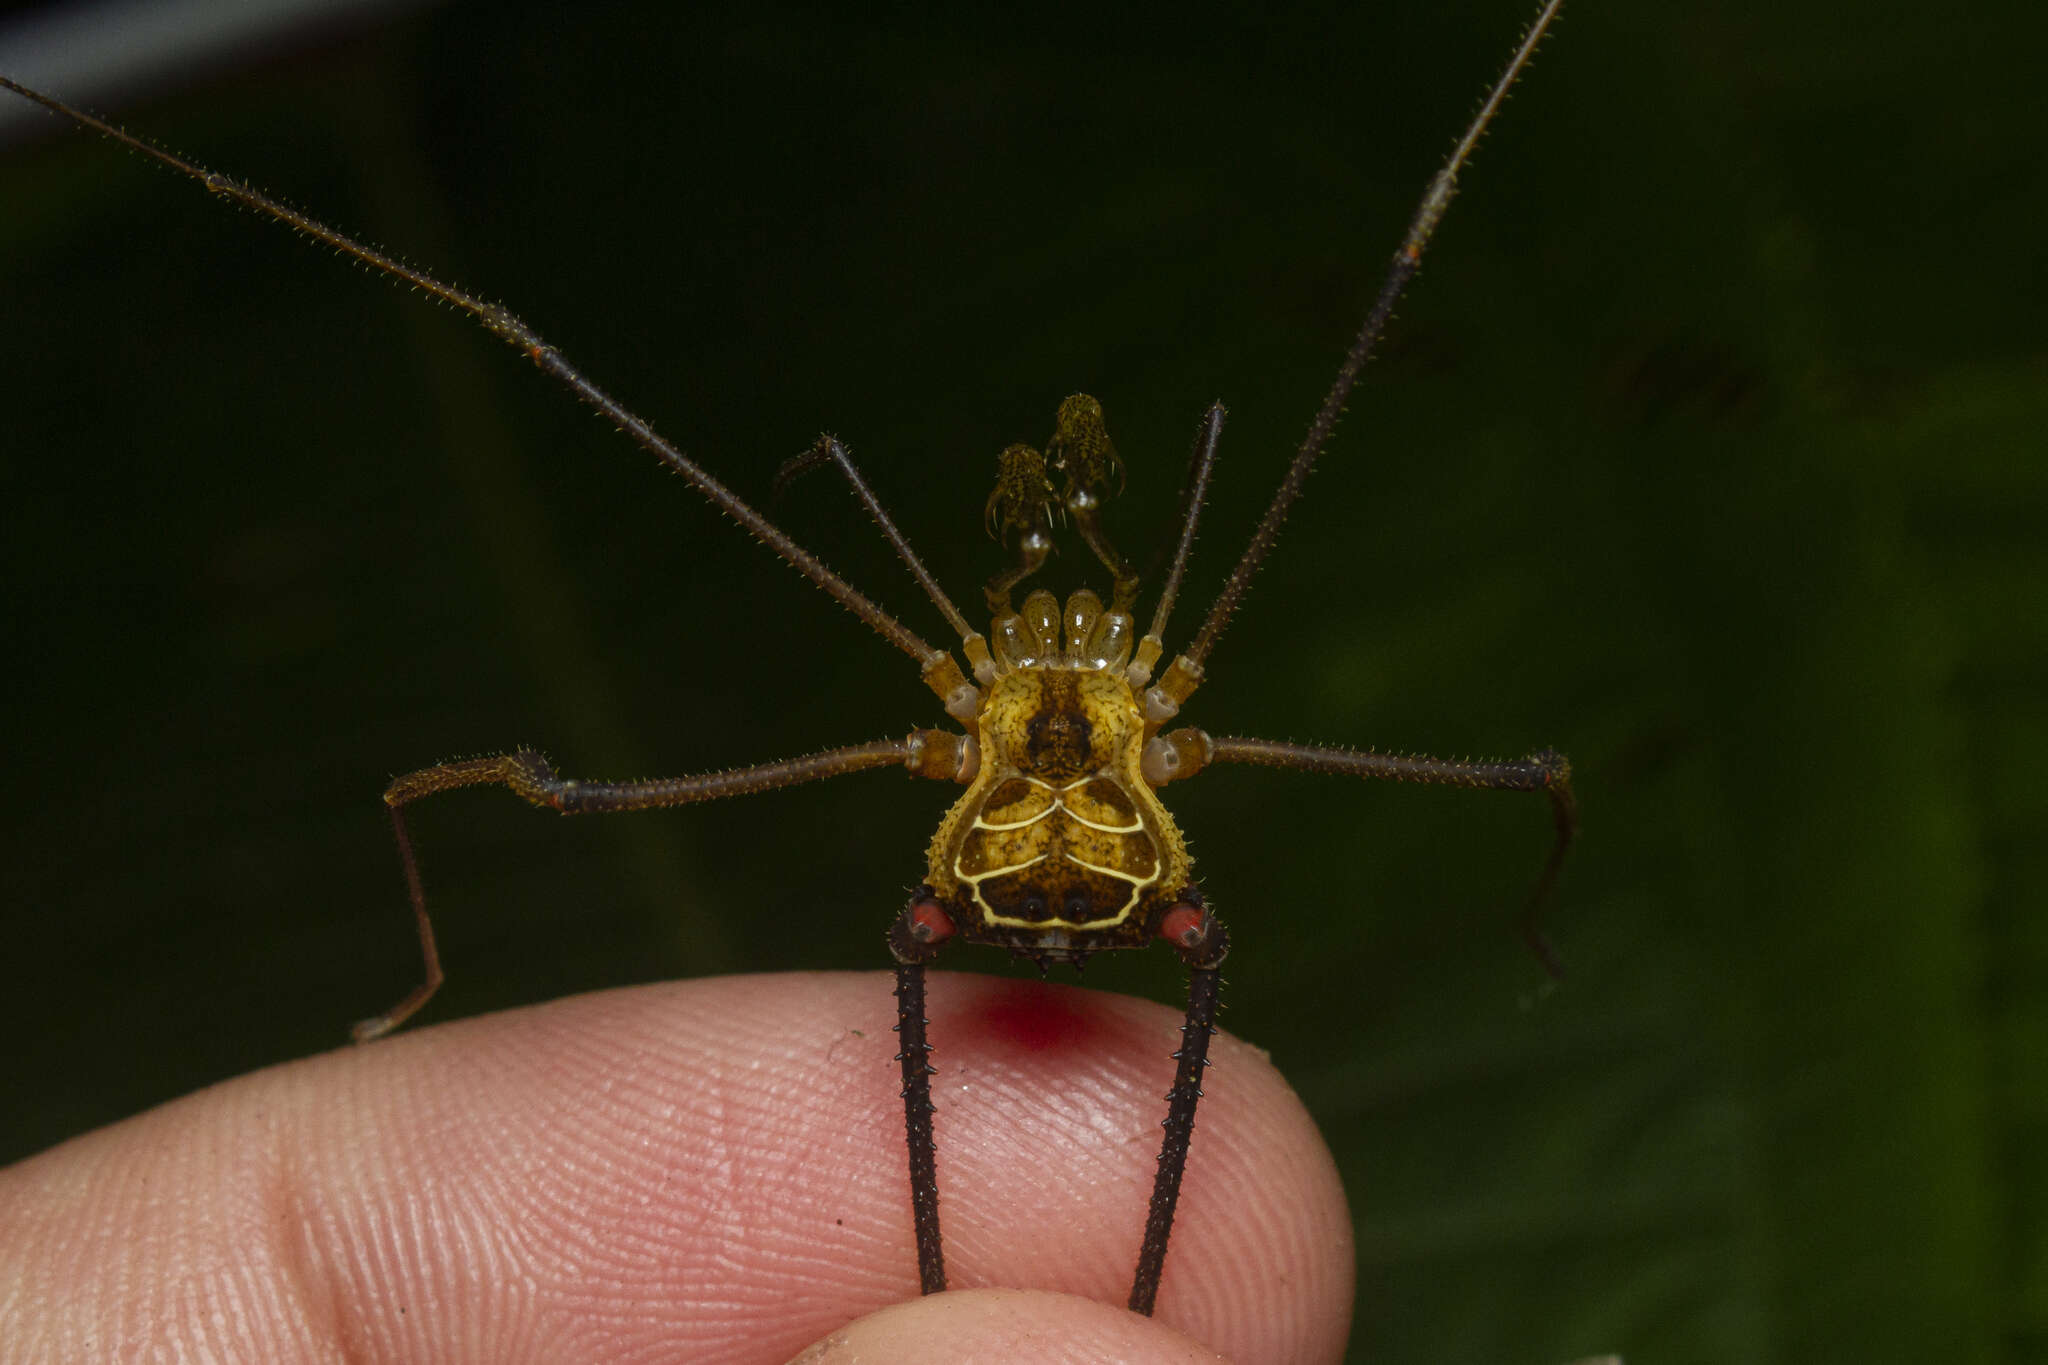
1060, 846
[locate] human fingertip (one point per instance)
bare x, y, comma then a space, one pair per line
1015, 1326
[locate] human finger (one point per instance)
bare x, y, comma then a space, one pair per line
708, 1170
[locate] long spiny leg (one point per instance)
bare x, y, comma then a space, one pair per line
1184, 674
1200, 939
1407, 261
914, 940
926, 753
941, 673
1549, 772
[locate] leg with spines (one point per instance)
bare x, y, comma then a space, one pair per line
532, 777
1549, 772
914, 940
1201, 940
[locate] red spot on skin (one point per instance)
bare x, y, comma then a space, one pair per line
1033, 1017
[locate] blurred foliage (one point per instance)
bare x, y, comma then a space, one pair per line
1707, 449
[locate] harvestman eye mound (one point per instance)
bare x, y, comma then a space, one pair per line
1060, 846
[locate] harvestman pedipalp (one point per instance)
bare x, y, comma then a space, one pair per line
1060, 846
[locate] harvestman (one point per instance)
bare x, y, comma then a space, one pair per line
1060, 846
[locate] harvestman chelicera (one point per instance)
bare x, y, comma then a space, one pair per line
1060, 846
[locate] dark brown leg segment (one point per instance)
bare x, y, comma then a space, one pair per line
530, 775
1549, 772
914, 943
1203, 951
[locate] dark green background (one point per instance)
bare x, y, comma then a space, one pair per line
1707, 448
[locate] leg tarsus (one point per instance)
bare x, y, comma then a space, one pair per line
379, 1025
1564, 816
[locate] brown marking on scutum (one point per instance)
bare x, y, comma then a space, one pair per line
1014, 800
1057, 743
1103, 802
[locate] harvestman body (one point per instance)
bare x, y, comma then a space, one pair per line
1060, 846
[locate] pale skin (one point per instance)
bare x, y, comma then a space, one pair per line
708, 1171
